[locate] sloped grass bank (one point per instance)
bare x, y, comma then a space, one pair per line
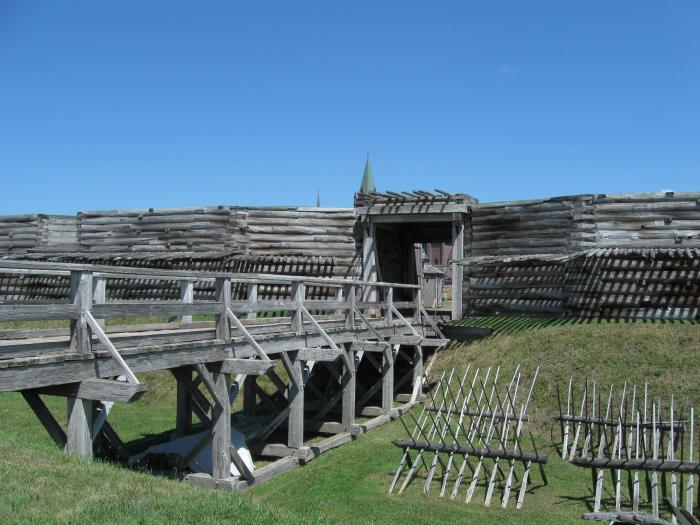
666, 355
349, 484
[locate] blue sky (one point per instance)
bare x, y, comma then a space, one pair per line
156, 104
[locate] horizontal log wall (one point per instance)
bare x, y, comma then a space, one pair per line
499, 278
643, 284
24, 233
658, 284
210, 229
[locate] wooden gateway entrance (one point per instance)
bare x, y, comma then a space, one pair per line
392, 225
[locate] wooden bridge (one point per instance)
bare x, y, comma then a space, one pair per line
336, 350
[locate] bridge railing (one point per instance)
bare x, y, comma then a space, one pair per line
236, 299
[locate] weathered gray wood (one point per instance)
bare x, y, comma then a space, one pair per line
318, 354
348, 385
98, 390
221, 423
81, 297
254, 367
79, 432
388, 379
45, 417
37, 312
187, 297
295, 430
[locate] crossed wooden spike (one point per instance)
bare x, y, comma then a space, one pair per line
631, 443
471, 418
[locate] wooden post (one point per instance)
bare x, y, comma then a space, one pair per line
79, 431
252, 297
99, 294
418, 370
417, 293
298, 293
339, 296
80, 295
222, 291
221, 424
348, 385
80, 411
249, 395
221, 417
457, 269
350, 299
388, 379
295, 427
183, 419
187, 297
369, 261
389, 299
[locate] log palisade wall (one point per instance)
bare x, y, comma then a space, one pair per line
23, 233
583, 255
628, 255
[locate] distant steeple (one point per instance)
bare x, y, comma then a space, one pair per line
318, 198
367, 185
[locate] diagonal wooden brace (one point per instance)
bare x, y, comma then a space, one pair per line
258, 349
97, 329
325, 336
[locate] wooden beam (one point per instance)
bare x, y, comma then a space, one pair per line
254, 367
318, 354
98, 390
369, 346
45, 417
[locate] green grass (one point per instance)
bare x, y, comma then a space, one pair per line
349, 484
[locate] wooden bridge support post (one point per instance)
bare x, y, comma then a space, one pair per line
80, 411
295, 427
221, 424
388, 379
418, 369
348, 385
79, 434
183, 416
221, 417
249, 395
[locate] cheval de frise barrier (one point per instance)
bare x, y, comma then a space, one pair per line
291, 331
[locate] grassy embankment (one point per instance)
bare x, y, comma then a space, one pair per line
346, 485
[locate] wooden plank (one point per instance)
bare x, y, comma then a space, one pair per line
37, 312
254, 367
318, 354
98, 390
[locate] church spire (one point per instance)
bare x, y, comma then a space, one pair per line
367, 185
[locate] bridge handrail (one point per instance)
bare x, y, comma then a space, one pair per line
65, 269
